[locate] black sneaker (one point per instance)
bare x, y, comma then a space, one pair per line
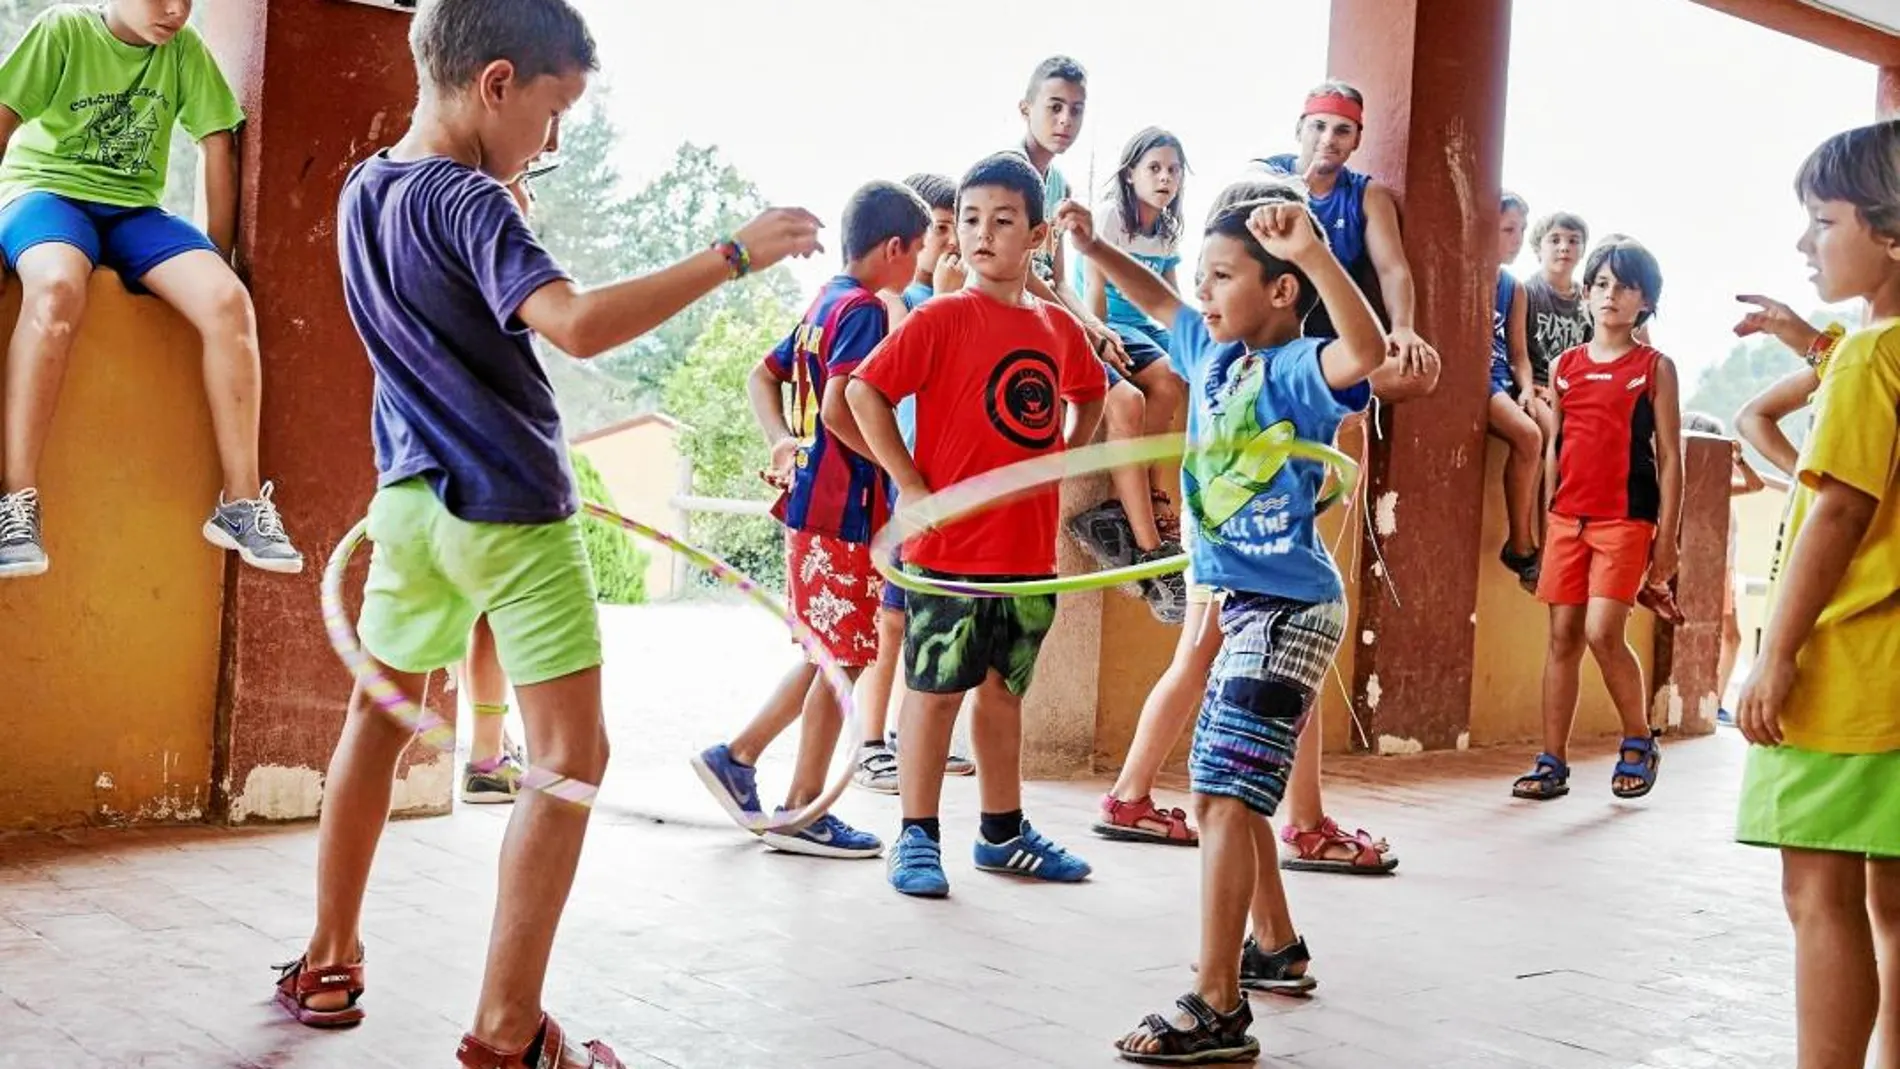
1527, 567
1104, 534
1262, 970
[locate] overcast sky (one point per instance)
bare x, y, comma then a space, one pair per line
1658, 118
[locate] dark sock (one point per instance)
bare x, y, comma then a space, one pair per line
929, 824
872, 744
998, 828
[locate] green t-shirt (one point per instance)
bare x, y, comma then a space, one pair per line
97, 113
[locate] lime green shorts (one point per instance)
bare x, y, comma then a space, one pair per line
1821, 801
431, 575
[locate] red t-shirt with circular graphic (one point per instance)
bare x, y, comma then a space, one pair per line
990, 382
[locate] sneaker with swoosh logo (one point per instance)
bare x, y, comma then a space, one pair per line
826, 837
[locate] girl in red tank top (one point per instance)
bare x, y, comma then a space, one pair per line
1616, 474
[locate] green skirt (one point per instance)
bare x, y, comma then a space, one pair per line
1848, 803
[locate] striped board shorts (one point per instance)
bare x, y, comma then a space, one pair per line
1274, 656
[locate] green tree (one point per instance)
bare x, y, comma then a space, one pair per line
707, 392
1752, 365
619, 564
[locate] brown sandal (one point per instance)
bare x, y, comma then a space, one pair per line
297, 982
556, 1053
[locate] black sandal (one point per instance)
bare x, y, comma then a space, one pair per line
1262, 970
1215, 1037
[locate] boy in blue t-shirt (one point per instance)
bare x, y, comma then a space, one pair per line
1252, 381
475, 514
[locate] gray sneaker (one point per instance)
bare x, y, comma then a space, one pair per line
254, 529
21, 552
1166, 595
877, 769
1104, 534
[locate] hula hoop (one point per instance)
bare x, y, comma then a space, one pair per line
994, 487
440, 734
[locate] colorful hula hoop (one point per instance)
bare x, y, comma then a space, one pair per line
440, 733
992, 488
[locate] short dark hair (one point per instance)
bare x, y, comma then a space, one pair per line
878, 212
1559, 221
1060, 68
1509, 200
454, 39
1632, 265
1703, 423
1010, 171
1862, 167
938, 191
1228, 217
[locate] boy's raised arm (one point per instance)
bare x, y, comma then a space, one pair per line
1759, 423
585, 323
1143, 288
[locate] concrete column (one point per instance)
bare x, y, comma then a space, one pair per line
1434, 73
323, 85
1685, 691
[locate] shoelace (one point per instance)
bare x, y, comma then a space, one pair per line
264, 514
16, 520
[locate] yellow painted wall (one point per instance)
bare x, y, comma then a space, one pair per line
641, 466
1513, 627
109, 662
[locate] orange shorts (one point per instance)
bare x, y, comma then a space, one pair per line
1594, 559
835, 591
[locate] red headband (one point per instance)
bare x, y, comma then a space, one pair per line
1334, 104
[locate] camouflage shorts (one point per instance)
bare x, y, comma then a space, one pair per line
951, 644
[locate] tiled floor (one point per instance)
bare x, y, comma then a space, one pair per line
1581, 934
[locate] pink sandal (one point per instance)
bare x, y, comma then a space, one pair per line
1140, 822
297, 982
1369, 858
556, 1053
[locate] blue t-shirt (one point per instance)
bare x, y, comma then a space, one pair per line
436, 261
1501, 320
914, 294
1253, 515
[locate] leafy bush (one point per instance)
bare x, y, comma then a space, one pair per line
620, 565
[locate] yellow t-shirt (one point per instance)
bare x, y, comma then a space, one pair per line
1846, 697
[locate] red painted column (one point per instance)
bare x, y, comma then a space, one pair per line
323, 85
1887, 94
1434, 74
1685, 691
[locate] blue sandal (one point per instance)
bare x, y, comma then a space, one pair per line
1550, 779
1643, 768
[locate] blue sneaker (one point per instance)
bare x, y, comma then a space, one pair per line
1031, 855
916, 866
826, 837
733, 785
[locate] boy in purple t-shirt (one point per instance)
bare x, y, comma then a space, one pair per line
475, 511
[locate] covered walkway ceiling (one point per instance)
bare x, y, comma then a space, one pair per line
1867, 30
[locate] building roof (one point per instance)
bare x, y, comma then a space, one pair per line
1867, 30
640, 420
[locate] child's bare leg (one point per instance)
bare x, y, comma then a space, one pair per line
882, 678
1164, 412
487, 688
997, 734
356, 794
1521, 470
821, 721
543, 846
1272, 916
1836, 983
1563, 658
923, 731
1622, 672
1172, 703
786, 702
208, 294
1124, 416
53, 281
1883, 905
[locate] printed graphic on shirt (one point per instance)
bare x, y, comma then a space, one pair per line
120, 134
1021, 399
1232, 473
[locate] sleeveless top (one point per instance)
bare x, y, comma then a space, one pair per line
1606, 445
1342, 211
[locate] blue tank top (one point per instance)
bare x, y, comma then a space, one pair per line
1342, 211
1501, 319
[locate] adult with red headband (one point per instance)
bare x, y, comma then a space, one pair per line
1362, 222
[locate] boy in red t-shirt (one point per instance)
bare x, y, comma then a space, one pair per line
1616, 470
992, 370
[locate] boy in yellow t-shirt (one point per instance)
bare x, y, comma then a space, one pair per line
1822, 706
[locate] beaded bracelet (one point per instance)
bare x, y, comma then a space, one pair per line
1823, 345
738, 259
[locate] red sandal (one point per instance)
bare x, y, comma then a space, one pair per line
1140, 821
1369, 856
556, 1053
297, 982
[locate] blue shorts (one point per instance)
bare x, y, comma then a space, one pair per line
1146, 344
1502, 381
1274, 657
893, 598
130, 241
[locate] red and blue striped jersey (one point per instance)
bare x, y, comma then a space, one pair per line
834, 491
